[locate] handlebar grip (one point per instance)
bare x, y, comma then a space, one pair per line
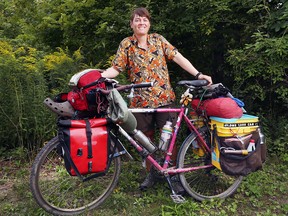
143, 85
195, 83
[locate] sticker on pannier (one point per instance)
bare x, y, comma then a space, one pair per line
85, 144
235, 126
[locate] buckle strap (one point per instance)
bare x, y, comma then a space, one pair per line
89, 139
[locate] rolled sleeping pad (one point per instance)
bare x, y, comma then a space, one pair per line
119, 112
130, 124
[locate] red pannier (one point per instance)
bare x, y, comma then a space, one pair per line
223, 107
85, 144
83, 96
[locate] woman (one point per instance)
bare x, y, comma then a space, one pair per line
143, 56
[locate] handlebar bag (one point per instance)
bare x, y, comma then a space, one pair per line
84, 144
84, 96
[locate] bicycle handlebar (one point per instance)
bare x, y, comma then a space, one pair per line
143, 85
190, 83
127, 87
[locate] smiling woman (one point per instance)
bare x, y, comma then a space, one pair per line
144, 57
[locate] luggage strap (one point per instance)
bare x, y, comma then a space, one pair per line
89, 141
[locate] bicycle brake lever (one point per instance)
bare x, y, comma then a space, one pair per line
131, 95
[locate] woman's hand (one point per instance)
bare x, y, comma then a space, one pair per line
110, 73
206, 77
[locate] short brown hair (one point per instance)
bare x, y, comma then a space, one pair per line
142, 12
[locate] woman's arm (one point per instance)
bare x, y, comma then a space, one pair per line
110, 73
187, 66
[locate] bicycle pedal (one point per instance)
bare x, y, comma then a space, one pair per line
177, 198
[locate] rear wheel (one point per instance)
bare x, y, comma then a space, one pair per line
61, 194
203, 183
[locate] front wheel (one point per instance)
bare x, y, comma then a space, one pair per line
61, 194
206, 183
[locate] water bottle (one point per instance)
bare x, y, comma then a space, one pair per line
165, 136
144, 141
251, 146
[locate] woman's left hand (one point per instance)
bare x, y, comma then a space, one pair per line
206, 77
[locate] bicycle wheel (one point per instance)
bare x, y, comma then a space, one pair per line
61, 194
206, 183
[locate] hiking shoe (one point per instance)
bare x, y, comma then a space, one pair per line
148, 182
177, 186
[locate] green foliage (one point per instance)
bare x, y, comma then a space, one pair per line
260, 72
26, 75
278, 144
242, 44
58, 68
278, 19
21, 88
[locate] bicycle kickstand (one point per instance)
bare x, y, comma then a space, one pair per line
177, 198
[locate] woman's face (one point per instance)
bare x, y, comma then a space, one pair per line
140, 25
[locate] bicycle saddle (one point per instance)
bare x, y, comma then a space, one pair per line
195, 83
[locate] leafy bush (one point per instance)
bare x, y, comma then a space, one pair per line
242, 44
30, 76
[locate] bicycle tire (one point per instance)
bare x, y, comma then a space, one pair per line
61, 194
203, 184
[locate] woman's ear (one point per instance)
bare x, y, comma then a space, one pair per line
130, 24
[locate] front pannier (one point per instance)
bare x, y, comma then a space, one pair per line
85, 145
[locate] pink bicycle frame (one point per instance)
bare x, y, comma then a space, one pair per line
164, 169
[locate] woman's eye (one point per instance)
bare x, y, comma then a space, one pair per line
139, 20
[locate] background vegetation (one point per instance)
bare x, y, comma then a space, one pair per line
241, 43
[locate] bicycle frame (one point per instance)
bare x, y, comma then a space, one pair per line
182, 115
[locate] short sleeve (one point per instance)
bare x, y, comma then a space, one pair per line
121, 59
169, 50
